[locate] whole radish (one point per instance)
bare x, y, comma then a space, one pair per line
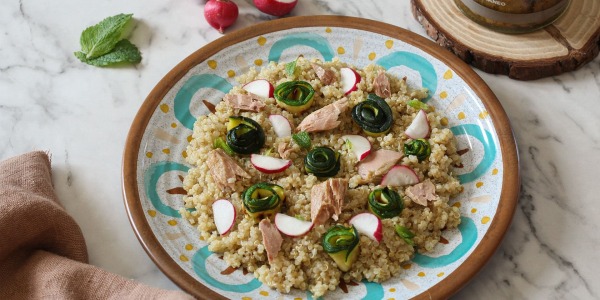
220, 14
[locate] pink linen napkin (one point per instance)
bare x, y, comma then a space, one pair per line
42, 250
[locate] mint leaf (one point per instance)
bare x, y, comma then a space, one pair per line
290, 67
101, 38
302, 139
124, 51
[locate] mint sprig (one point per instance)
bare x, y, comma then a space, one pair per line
302, 139
103, 44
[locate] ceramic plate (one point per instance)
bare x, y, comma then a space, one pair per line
154, 160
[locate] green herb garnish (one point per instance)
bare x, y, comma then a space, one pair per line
290, 68
405, 234
302, 139
417, 104
104, 44
220, 143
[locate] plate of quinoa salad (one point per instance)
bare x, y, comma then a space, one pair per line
324, 156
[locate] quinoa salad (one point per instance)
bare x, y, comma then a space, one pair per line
311, 173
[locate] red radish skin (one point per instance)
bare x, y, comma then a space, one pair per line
291, 226
350, 79
220, 14
268, 164
259, 87
419, 128
276, 8
400, 176
369, 225
224, 214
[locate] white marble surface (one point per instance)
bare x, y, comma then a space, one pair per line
51, 101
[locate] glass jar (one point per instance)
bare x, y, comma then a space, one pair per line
513, 16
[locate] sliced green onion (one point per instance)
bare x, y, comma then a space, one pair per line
373, 115
263, 199
302, 139
220, 143
322, 162
417, 104
419, 148
294, 96
385, 203
245, 136
342, 244
405, 234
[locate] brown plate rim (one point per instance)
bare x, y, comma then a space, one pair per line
445, 288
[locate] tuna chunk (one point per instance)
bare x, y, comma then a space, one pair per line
325, 118
224, 169
327, 77
422, 192
381, 84
327, 199
248, 102
284, 150
377, 164
271, 238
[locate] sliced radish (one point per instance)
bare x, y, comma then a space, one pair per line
281, 125
419, 128
259, 87
268, 164
224, 215
359, 145
369, 225
291, 226
400, 176
350, 79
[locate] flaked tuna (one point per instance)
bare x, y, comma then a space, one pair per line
248, 102
271, 238
224, 169
325, 118
327, 200
377, 164
326, 76
381, 85
422, 192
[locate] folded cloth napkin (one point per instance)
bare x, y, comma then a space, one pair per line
42, 250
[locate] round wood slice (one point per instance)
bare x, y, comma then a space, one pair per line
567, 44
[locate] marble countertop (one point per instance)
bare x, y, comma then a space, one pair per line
81, 114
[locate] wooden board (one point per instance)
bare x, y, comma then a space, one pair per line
572, 41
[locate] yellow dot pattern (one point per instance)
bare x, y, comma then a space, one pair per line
444, 121
485, 220
456, 204
479, 184
231, 73
166, 151
246, 298
448, 75
261, 40
341, 50
392, 290
391, 298
389, 44
264, 293
473, 210
172, 222
164, 108
461, 115
372, 56
297, 298
440, 274
173, 125
444, 95
328, 30
183, 258
212, 64
421, 274
495, 172
152, 213
189, 138
201, 238
149, 154
406, 266
184, 154
483, 114
258, 62
189, 247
